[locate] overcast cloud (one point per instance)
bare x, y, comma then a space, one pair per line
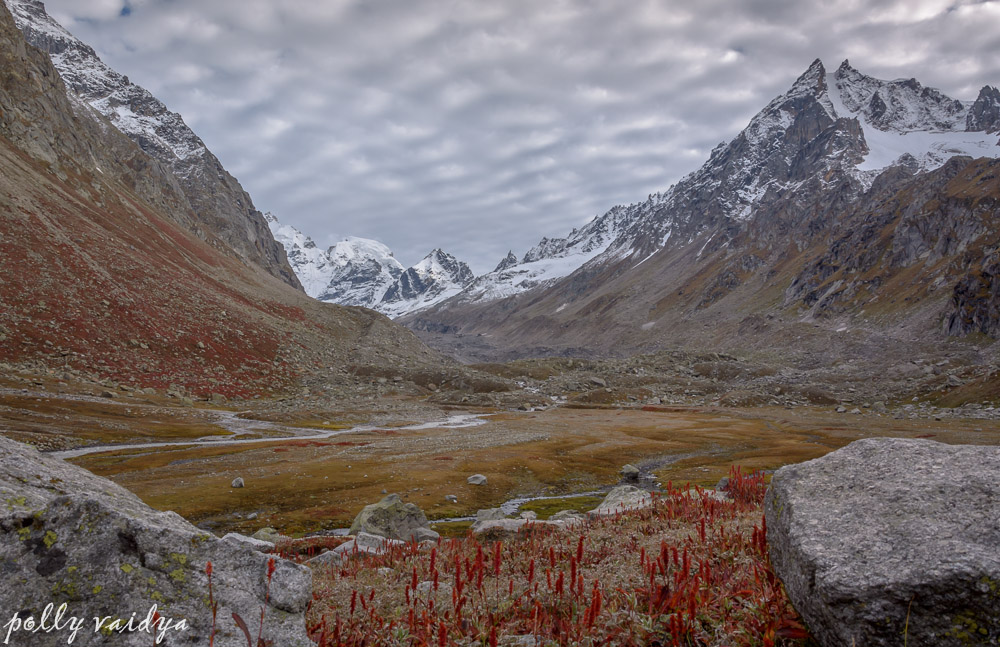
480, 126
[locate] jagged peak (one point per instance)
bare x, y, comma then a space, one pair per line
508, 262
812, 81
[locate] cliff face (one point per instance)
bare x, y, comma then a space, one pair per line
219, 204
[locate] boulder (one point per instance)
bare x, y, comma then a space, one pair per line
570, 516
237, 482
622, 498
68, 536
504, 529
393, 519
268, 534
489, 514
476, 479
630, 473
256, 544
891, 542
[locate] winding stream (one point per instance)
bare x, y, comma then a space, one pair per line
231, 421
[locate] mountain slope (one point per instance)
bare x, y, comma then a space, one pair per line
221, 207
103, 279
741, 237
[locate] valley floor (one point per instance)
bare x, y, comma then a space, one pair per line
311, 468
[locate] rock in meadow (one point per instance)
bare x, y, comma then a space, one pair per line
268, 534
393, 519
237, 482
630, 473
476, 479
622, 498
68, 536
891, 541
490, 514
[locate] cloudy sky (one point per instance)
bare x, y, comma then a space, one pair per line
482, 125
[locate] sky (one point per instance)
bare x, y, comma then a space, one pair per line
480, 126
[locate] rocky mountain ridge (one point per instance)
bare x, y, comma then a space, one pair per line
220, 205
741, 236
364, 272
818, 146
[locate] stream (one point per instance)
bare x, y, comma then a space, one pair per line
231, 421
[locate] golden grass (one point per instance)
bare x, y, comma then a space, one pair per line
299, 486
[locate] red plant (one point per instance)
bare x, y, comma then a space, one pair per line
702, 577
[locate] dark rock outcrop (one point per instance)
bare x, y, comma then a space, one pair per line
985, 112
67, 536
891, 541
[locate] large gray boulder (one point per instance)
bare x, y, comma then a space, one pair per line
393, 519
68, 536
891, 536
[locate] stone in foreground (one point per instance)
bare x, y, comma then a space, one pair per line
888, 537
393, 519
68, 536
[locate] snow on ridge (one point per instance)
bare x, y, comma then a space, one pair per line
941, 134
106, 90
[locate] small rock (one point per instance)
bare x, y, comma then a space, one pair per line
529, 515
476, 479
598, 381
108, 394
568, 515
451, 498
237, 482
490, 514
268, 534
630, 473
622, 498
841, 409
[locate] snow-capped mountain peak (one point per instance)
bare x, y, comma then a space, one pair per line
364, 272
355, 271
903, 105
437, 277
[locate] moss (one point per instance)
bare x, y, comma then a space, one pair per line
50, 538
23, 534
127, 568
545, 508
966, 629
97, 589
177, 575
180, 558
